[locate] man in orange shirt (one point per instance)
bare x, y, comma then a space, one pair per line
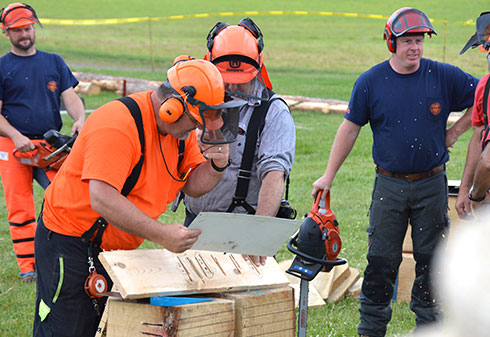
95, 202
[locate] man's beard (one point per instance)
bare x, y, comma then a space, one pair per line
21, 46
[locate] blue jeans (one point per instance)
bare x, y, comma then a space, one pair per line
395, 202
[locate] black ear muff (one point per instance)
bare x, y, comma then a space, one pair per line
171, 110
249, 25
218, 27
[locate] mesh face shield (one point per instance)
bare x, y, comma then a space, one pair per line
220, 122
251, 92
411, 21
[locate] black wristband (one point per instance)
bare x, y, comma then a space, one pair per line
480, 199
476, 199
220, 169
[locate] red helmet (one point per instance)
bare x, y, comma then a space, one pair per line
17, 15
237, 51
406, 20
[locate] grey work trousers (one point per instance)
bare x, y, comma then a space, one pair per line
395, 203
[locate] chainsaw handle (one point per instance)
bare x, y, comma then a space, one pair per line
339, 261
25, 154
319, 203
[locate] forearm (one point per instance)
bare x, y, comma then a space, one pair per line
481, 179
74, 108
202, 179
472, 156
270, 194
123, 214
21, 142
343, 143
462, 125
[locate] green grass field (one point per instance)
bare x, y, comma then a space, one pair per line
310, 55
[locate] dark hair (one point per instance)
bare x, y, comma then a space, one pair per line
165, 90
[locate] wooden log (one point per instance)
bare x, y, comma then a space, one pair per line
128, 319
315, 299
323, 282
340, 291
355, 290
342, 273
87, 88
265, 312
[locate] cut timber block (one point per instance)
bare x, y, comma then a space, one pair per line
341, 273
102, 328
129, 319
355, 289
406, 276
341, 290
265, 312
142, 273
314, 297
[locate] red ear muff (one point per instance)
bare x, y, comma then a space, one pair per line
390, 40
171, 110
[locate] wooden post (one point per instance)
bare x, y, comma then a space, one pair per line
151, 46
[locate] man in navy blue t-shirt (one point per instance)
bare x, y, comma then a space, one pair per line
407, 101
31, 83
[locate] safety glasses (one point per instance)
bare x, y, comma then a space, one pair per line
220, 122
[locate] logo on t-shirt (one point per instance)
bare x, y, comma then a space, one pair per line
52, 86
435, 108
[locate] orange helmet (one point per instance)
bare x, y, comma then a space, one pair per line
200, 92
237, 51
17, 15
406, 20
197, 79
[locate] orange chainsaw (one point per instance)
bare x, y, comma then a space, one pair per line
49, 153
317, 246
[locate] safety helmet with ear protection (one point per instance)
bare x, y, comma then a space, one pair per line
191, 78
403, 21
17, 15
200, 93
237, 51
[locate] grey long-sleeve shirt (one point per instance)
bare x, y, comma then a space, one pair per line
274, 151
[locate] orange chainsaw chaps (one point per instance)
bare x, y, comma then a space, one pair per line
17, 180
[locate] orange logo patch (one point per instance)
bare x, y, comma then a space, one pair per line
435, 108
52, 86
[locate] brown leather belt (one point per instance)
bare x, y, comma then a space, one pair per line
411, 176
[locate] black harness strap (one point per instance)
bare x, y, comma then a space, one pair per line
101, 224
485, 108
255, 126
181, 157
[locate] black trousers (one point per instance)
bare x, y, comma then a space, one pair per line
62, 306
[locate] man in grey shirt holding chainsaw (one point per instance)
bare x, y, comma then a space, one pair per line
236, 50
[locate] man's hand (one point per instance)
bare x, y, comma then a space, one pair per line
22, 143
178, 238
463, 204
257, 260
321, 183
77, 126
218, 153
